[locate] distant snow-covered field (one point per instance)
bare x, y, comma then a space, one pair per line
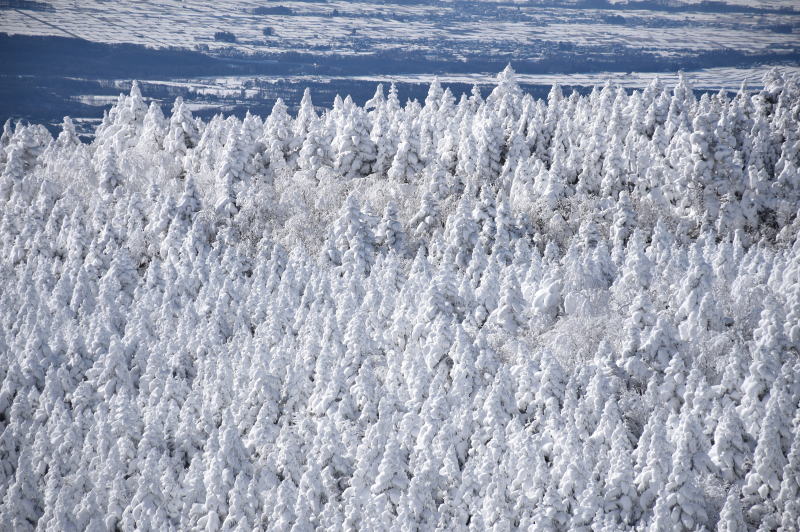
336, 27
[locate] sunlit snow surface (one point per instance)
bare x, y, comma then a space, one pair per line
329, 26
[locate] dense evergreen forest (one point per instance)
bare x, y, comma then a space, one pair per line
468, 313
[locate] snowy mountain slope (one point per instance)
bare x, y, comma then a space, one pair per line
579, 313
336, 27
67, 53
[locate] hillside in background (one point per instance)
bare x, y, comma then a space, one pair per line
71, 58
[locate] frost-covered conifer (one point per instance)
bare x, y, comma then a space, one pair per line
354, 150
306, 119
732, 447
662, 344
315, 153
682, 496
406, 163
278, 135
657, 466
182, 133
621, 497
731, 517
509, 312
763, 371
788, 509
763, 482
390, 232
154, 130
637, 326
427, 218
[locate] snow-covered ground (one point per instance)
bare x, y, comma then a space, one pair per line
343, 27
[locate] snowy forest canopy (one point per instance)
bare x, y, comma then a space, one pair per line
488, 314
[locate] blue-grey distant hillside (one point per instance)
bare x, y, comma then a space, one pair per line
60, 58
